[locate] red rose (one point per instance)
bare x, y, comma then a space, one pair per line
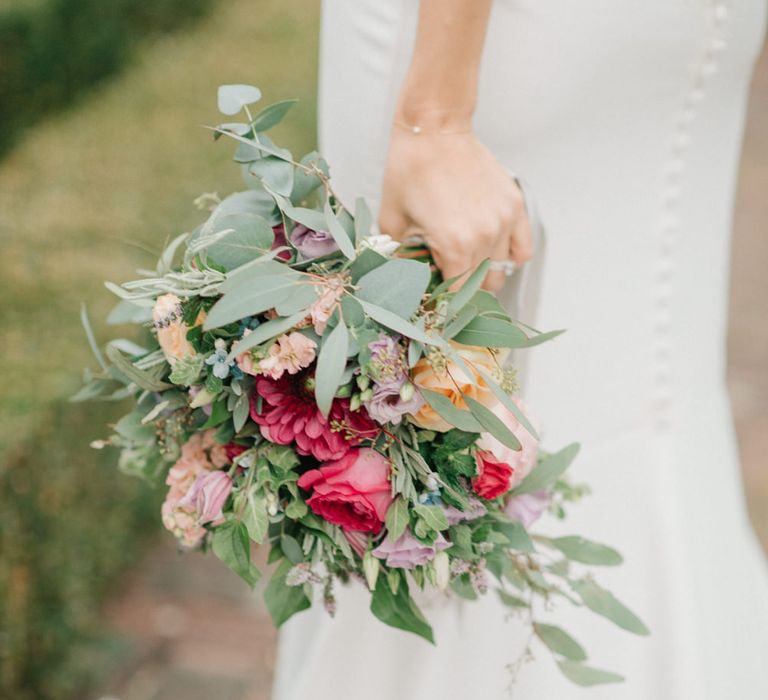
494, 478
232, 450
353, 492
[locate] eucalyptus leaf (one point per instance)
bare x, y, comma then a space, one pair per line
493, 424
271, 115
585, 551
299, 301
460, 321
310, 218
363, 219
330, 367
585, 675
232, 98
398, 286
149, 381
365, 262
130, 312
238, 239
341, 237
305, 183
490, 332
262, 294
507, 401
264, 332
457, 417
467, 291
540, 338
274, 172
604, 603
559, 641
549, 469
396, 323
512, 601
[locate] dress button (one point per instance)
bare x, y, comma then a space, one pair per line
681, 140
721, 12
718, 44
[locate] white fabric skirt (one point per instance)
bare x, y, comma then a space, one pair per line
625, 117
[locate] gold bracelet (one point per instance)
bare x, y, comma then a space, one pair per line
416, 129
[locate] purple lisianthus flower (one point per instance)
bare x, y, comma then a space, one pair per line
388, 406
475, 510
407, 552
527, 508
312, 244
387, 361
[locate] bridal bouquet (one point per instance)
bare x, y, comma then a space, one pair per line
321, 390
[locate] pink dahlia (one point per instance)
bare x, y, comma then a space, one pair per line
289, 414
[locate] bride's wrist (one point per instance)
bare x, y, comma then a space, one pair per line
429, 117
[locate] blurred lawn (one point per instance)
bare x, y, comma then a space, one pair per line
89, 196
82, 194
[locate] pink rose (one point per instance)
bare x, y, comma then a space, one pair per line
207, 496
494, 477
353, 492
521, 461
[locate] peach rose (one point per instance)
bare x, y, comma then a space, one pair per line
171, 330
454, 383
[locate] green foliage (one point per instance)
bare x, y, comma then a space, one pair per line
398, 609
232, 545
284, 601
70, 524
52, 51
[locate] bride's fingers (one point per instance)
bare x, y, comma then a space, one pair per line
520, 249
496, 279
393, 222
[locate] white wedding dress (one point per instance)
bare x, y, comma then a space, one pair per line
625, 118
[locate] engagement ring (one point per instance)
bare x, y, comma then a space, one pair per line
508, 267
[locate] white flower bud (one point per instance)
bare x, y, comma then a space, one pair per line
381, 243
370, 569
407, 391
203, 398
442, 566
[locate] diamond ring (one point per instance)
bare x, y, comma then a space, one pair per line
508, 267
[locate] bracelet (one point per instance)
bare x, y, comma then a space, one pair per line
416, 129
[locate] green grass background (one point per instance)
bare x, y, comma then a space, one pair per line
86, 196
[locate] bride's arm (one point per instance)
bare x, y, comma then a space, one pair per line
440, 181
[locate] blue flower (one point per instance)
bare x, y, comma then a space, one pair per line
218, 360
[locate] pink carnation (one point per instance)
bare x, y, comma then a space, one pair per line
181, 512
325, 304
288, 413
291, 352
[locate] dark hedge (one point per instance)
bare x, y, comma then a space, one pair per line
70, 525
52, 51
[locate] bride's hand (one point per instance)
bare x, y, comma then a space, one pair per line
451, 190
